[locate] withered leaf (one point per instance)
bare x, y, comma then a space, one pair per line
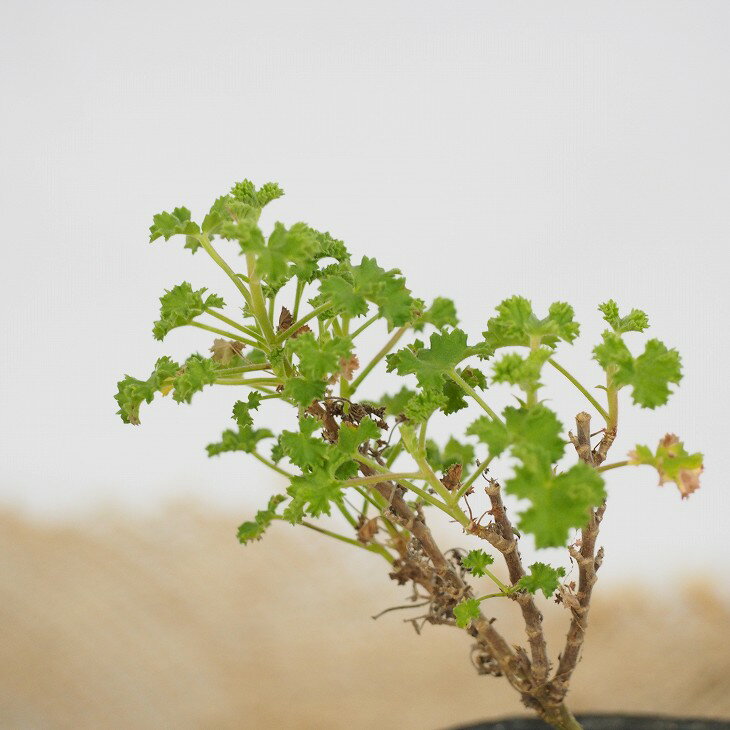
452, 477
223, 351
366, 529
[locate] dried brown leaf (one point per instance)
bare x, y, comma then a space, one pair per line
224, 351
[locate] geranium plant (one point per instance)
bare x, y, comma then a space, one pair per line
292, 335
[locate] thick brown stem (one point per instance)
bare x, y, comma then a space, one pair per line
562, 718
588, 562
481, 627
530, 613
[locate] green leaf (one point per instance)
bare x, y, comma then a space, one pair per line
422, 404
654, 369
242, 411
559, 502
516, 324
249, 531
246, 232
440, 314
303, 391
318, 360
312, 494
131, 392
395, 404
455, 395
180, 305
466, 612
286, 246
541, 577
492, 433
165, 225
533, 433
431, 364
351, 437
195, 374
343, 296
245, 439
649, 374
634, 321
475, 561
306, 452
457, 453
673, 463
524, 372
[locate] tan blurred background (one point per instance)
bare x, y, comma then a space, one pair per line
169, 623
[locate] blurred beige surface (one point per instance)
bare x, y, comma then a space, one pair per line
169, 623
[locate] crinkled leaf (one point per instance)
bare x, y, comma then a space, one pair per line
312, 494
466, 612
440, 314
180, 305
245, 439
351, 436
475, 561
395, 404
429, 365
165, 225
422, 404
533, 433
672, 462
457, 453
523, 372
516, 324
195, 374
559, 502
254, 530
318, 360
542, 577
302, 449
634, 321
455, 396
304, 390
649, 375
242, 409
131, 392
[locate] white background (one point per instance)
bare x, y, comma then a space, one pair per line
564, 150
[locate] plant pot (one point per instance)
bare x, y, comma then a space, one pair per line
608, 722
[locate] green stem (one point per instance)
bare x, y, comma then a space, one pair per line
364, 326
257, 303
615, 465
389, 345
301, 322
233, 323
374, 548
612, 394
393, 455
244, 369
298, 298
224, 333
502, 587
386, 476
470, 391
251, 382
346, 514
501, 594
271, 465
425, 496
208, 246
582, 389
470, 480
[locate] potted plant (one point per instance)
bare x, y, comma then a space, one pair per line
294, 335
